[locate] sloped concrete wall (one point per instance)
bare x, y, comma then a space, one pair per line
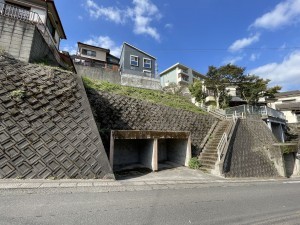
252, 151
49, 131
115, 112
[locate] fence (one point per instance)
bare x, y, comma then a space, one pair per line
243, 110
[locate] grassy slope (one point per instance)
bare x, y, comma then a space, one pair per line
158, 97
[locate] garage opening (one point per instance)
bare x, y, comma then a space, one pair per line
132, 153
172, 153
149, 149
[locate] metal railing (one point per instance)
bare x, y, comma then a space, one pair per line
244, 110
18, 13
21, 14
223, 143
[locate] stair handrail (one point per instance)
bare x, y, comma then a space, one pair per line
206, 138
225, 137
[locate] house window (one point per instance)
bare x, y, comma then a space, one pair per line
50, 26
147, 63
88, 52
134, 60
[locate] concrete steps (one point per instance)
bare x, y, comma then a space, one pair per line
209, 156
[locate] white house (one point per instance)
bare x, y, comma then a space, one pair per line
288, 103
180, 75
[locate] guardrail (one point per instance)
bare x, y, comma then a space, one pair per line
21, 14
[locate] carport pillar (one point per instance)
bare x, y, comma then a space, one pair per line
155, 155
188, 151
111, 150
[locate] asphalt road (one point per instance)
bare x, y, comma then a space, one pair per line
247, 203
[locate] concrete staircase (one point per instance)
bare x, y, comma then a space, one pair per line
209, 155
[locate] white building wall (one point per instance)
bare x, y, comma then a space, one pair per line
290, 117
170, 77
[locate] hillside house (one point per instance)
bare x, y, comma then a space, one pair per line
288, 103
138, 68
31, 30
180, 75
134, 61
94, 56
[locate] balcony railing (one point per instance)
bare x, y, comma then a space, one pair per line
18, 13
21, 14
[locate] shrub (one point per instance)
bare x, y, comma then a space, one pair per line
194, 163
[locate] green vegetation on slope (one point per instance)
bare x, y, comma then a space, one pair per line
158, 97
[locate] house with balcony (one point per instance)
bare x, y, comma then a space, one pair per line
288, 103
94, 56
180, 75
31, 30
138, 68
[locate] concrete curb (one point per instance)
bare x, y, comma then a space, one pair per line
112, 185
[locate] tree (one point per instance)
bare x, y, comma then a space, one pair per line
219, 78
254, 87
197, 91
251, 87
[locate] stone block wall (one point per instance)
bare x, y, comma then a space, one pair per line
252, 151
115, 112
16, 37
46, 125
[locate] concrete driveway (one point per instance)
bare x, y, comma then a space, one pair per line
166, 172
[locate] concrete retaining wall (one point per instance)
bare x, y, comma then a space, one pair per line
98, 73
46, 125
115, 112
16, 37
40, 50
24, 41
253, 153
140, 82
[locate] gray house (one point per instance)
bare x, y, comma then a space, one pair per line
134, 61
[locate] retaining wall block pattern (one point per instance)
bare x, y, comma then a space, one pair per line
249, 156
116, 112
49, 131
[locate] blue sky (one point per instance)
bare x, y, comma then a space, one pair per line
261, 35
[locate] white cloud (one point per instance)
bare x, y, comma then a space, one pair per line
105, 42
232, 60
284, 13
254, 57
142, 14
285, 74
80, 17
242, 43
109, 13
